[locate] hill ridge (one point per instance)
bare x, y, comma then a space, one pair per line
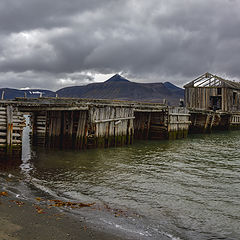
116, 87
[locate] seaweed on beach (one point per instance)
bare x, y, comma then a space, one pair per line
59, 203
19, 203
5, 194
38, 209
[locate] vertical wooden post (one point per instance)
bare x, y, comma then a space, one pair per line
206, 122
80, 142
40, 128
148, 125
212, 122
111, 137
3, 93
9, 128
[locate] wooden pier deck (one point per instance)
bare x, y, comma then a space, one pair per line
84, 123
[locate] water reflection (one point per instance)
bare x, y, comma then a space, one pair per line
26, 165
7, 165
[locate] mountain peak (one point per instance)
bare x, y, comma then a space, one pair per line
117, 78
171, 86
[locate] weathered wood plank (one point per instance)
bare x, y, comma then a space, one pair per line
9, 125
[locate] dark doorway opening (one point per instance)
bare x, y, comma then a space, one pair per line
215, 103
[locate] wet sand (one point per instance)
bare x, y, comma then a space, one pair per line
22, 220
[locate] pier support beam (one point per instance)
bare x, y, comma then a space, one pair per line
110, 126
12, 123
178, 123
9, 129
234, 122
171, 123
97, 127
208, 121
38, 122
142, 123
158, 125
60, 129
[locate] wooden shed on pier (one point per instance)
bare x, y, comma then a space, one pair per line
210, 92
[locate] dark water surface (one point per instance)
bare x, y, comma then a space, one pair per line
185, 189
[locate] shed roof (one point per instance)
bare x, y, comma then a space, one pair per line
210, 80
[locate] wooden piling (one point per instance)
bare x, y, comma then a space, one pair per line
158, 125
178, 122
3, 126
61, 129
110, 126
11, 127
38, 122
142, 123
2, 96
81, 133
234, 122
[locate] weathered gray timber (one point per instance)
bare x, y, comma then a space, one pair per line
213, 102
234, 121
170, 123
38, 122
211, 92
151, 125
203, 121
11, 126
83, 123
178, 122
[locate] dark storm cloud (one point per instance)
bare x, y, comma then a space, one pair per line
24, 15
57, 43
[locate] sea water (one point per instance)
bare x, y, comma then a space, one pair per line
184, 189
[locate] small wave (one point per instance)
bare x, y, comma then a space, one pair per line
125, 229
171, 236
37, 184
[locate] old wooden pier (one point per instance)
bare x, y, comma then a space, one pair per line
81, 124
211, 103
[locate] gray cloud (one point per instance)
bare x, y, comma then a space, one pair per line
44, 80
56, 43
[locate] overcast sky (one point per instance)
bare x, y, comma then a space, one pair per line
55, 43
